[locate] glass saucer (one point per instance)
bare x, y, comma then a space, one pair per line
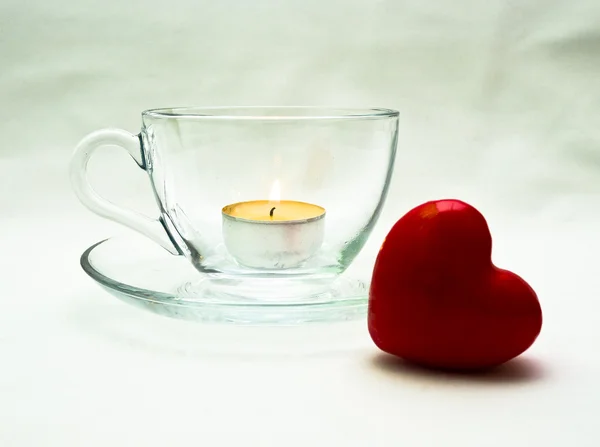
141, 273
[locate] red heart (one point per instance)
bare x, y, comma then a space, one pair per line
437, 299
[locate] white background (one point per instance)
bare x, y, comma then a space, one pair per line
500, 106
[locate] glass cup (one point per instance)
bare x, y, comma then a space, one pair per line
267, 203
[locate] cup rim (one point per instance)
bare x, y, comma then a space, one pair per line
274, 113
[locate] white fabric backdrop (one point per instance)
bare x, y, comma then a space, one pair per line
500, 106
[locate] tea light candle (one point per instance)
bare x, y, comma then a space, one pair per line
273, 234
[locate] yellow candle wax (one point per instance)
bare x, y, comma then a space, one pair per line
274, 211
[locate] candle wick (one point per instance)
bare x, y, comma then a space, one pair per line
271, 212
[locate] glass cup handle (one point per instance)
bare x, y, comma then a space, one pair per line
151, 228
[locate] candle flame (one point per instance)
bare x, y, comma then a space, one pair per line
275, 195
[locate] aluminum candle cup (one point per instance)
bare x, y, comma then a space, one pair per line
264, 234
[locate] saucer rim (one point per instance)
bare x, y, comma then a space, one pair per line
167, 299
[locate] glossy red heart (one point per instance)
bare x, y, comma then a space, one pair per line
436, 298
